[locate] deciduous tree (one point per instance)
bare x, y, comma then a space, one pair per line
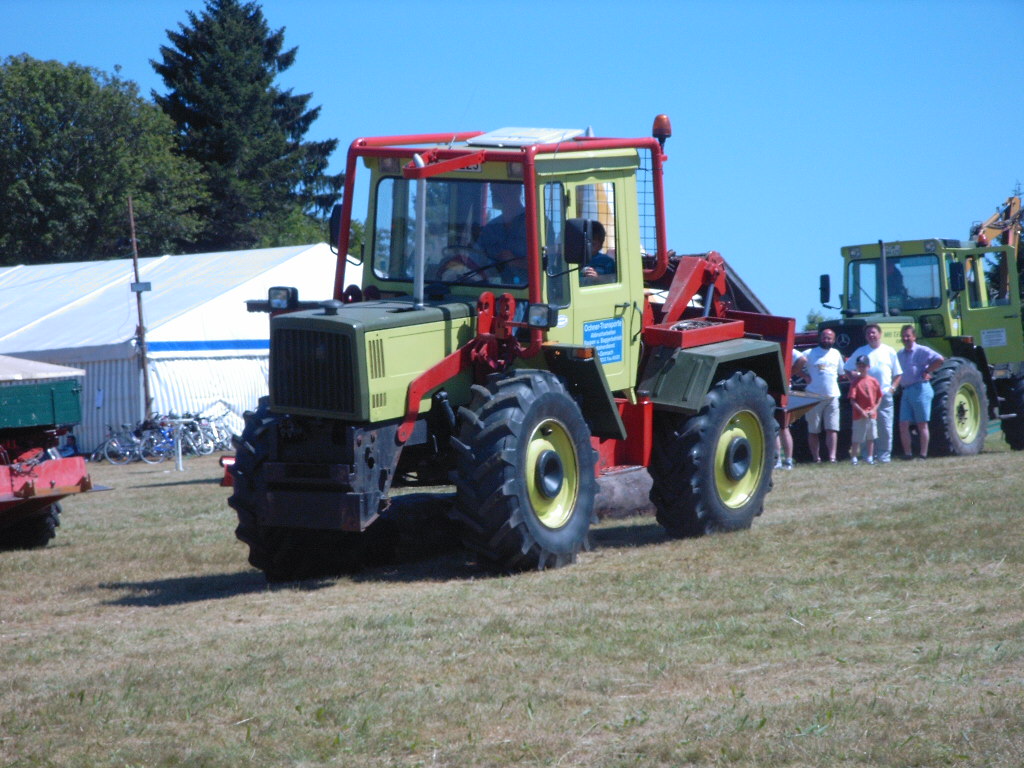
74, 143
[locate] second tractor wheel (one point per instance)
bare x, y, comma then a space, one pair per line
711, 471
959, 410
525, 473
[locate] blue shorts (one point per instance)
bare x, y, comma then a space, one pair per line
916, 403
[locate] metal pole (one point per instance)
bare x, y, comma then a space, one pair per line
140, 331
179, 427
885, 278
420, 264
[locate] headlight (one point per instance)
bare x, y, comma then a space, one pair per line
280, 297
541, 316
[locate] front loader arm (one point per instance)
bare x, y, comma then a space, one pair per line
705, 275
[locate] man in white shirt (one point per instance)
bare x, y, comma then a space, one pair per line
886, 369
823, 367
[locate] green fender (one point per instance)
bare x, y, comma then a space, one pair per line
678, 379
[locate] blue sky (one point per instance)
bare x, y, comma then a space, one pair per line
799, 127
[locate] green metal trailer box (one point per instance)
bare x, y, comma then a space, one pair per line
40, 403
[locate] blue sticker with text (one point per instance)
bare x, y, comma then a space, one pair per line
606, 337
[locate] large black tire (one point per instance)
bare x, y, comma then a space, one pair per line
291, 554
711, 471
33, 532
525, 473
1013, 429
959, 419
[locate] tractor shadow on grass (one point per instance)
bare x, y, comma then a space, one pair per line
178, 483
185, 589
426, 548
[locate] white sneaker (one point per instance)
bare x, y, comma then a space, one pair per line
787, 464
870, 460
778, 464
854, 461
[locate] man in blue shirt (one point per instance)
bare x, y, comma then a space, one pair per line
503, 238
918, 363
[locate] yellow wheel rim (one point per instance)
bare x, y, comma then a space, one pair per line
552, 473
967, 413
739, 459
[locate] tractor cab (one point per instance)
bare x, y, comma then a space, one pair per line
548, 218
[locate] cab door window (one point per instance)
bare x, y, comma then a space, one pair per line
555, 267
593, 209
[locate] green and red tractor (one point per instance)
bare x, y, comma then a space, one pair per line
480, 348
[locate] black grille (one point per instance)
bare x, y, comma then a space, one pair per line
312, 370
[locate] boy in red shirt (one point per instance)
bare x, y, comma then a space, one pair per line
865, 395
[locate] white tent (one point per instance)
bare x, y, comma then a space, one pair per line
206, 352
15, 369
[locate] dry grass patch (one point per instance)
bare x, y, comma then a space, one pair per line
872, 617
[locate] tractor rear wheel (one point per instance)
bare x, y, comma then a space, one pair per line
33, 532
711, 471
1013, 429
283, 553
959, 409
525, 473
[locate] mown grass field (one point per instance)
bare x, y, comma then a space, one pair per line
874, 616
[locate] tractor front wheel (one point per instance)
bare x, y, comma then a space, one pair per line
711, 471
287, 553
525, 473
959, 409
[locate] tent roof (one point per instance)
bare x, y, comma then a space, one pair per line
90, 304
17, 369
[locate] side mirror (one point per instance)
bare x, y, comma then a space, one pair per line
335, 228
577, 241
824, 289
957, 279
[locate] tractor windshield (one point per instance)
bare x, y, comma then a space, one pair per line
912, 281
475, 231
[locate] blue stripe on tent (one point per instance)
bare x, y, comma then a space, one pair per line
195, 346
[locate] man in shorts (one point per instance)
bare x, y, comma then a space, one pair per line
919, 363
823, 366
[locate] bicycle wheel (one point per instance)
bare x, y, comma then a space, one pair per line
117, 451
201, 442
154, 449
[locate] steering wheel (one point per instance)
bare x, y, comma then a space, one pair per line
463, 262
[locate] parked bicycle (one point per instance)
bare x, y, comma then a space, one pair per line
156, 439
120, 447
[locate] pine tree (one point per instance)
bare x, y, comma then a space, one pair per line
244, 131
